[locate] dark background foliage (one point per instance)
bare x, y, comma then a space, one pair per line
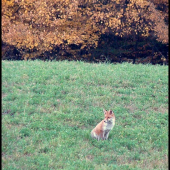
88, 30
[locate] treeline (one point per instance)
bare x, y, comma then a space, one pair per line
89, 30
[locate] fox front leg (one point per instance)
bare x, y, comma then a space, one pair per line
104, 136
107, 135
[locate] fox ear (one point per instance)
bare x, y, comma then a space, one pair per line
110, 111
104, 111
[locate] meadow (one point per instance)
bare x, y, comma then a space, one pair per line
50, 108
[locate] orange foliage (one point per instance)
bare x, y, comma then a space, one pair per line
41, 25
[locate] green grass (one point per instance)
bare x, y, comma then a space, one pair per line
50, 108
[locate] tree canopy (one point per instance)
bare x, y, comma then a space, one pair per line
35, 27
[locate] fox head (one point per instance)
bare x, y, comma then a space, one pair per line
109, 116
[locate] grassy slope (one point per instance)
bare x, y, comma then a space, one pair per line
49, 109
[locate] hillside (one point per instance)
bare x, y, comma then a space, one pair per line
49, 109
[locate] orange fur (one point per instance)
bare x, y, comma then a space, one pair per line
101, 131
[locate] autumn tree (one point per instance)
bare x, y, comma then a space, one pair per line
36, 27
141, 19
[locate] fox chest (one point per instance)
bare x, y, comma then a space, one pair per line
108, 126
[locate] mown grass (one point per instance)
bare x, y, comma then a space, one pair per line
49, 109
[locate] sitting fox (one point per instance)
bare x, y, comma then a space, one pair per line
101, 131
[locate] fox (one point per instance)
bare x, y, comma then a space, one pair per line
101, 131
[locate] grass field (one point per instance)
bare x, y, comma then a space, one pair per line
50, 108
